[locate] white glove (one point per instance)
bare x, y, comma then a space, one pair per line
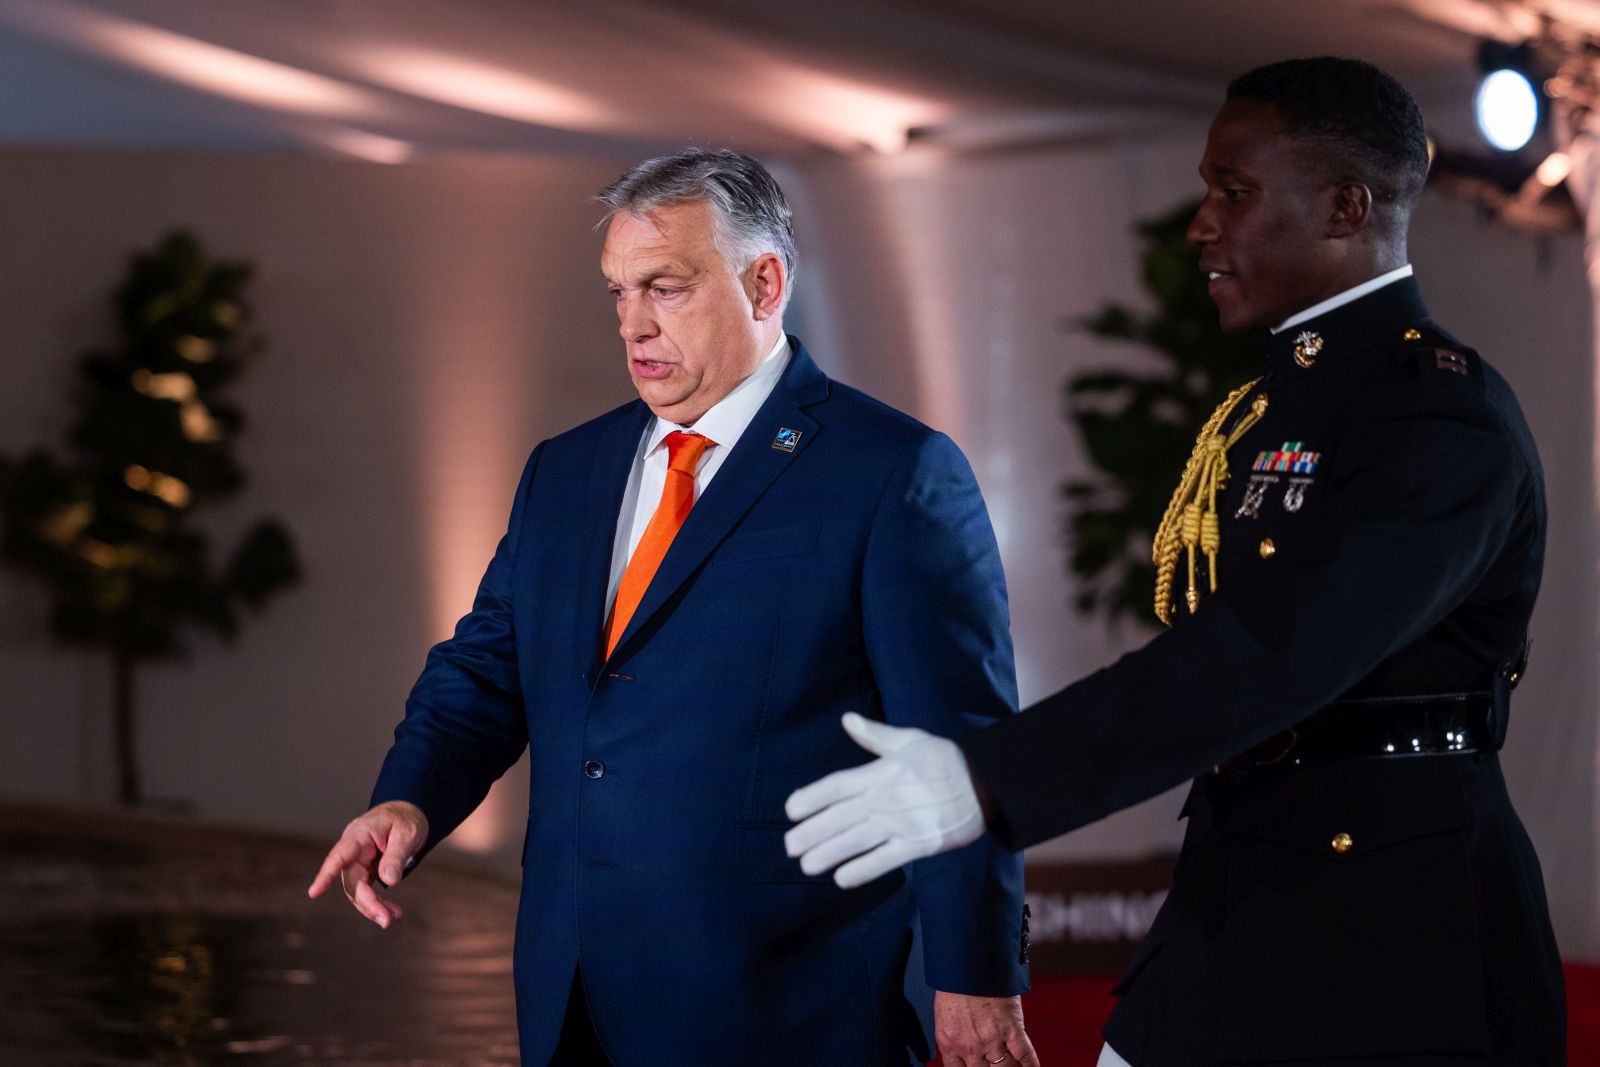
916, 800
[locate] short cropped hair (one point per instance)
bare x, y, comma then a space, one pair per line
751, 216
1367, 124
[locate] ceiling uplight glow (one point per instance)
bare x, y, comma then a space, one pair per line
481, 87
372, 147
848, 114
226, 72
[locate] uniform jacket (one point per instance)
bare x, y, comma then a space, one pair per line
1394, 550
841, 559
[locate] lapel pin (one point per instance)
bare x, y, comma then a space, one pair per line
786, 440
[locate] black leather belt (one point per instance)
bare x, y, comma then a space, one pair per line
1450, 724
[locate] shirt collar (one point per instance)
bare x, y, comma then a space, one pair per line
725, 421
1353, 293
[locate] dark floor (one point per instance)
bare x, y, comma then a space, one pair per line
144, 941
130, 941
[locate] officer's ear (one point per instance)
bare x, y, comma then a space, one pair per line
1351, 209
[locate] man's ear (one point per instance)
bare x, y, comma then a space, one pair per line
1351, 209
766, 282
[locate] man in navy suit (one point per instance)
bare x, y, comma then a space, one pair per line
691, 589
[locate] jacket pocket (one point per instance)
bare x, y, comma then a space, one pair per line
761, 856
1147, 951
1348, 926
765, 544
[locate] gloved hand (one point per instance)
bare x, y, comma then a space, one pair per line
916, 800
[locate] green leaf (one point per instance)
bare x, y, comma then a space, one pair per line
1137, 429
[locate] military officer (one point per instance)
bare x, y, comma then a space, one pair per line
1347, 567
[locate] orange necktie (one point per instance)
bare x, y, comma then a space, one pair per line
677, 497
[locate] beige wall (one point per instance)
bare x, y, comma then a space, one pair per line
427, 325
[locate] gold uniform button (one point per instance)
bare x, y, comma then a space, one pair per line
1268, 549
1413, 334
1342, 843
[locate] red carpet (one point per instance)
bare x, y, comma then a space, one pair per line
1065, 1015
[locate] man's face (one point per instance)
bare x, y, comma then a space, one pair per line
691, 326
1263, 226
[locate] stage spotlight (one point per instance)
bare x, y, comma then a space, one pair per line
1507, 109
1507, 102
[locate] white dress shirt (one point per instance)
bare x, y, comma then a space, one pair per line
1353, 293
724, 423
1109, 1058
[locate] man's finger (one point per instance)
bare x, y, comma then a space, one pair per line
346, 852
860, 838
405, 838
1021, 1049
829, 822
875, 864
367, 902
840, 785
878, 738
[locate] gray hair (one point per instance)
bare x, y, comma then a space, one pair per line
750, 215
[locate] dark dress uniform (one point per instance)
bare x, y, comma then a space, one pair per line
1354, 883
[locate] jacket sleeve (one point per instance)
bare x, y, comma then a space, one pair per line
464, 722
1421, 498
937, 632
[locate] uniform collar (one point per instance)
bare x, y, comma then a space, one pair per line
1326, 336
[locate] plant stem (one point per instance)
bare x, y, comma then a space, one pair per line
128, 787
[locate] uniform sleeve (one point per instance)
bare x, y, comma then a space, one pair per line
1422, 494
464, 722
937, 632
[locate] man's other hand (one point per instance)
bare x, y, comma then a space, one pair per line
978, 1030
916, 800
380, 844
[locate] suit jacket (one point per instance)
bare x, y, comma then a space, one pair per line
1393, 549
846, 565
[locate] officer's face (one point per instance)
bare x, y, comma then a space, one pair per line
1262, 228
692, 327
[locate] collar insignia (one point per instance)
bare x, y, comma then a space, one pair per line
1307, 347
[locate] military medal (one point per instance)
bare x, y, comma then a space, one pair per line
1307, 347
1292, 458
1296, 494
1254, 494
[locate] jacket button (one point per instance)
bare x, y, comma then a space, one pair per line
1267, 549
1342, 843
594, 769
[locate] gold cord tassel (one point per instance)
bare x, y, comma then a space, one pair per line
1190, 523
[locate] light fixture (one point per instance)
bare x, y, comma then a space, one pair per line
1506, 104
1507, 109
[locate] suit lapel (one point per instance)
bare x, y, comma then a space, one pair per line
746, 474
613, 462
